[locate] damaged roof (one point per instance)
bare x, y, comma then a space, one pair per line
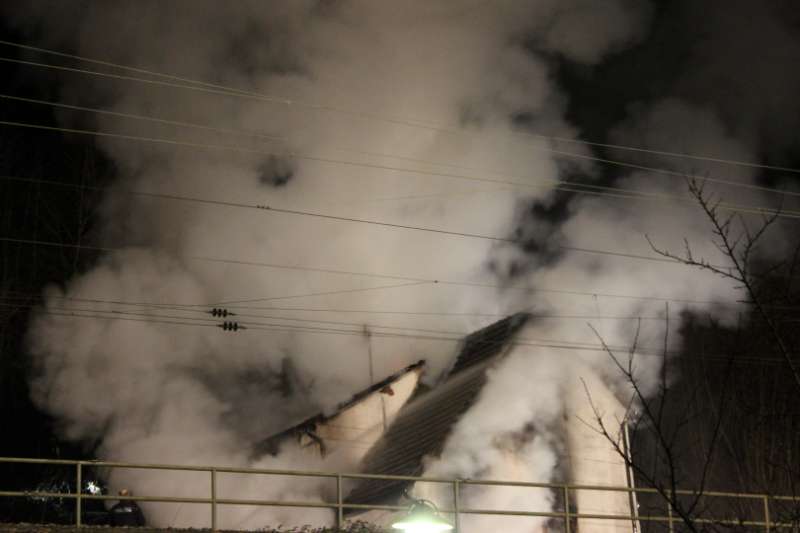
271, 444
421, 428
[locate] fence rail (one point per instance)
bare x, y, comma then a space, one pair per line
566, 514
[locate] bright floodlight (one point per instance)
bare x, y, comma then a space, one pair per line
422, 518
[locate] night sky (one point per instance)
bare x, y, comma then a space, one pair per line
483, 144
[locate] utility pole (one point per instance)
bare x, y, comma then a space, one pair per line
368, 336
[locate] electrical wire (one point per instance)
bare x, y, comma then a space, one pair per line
267, 207
270, 138
298, 212
325, 293
414, 281
251, 133
189, 83
569, 186
345, 219
231, 204
572, 187
361, 328
440, 335
559, 345
335, 310
350, 220
435, 334
358, 329
14, 301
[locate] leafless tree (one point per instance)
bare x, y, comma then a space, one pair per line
719, 424
738, 242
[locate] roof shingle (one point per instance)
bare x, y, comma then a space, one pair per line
421, 428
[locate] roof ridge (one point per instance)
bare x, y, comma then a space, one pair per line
487, 342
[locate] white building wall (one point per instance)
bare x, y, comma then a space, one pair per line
593, 459
351, 433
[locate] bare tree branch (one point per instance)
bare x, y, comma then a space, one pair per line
739, 250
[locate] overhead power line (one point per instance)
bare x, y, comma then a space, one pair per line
325, 216
579, 188
667, 172
551, 344
125, 310
356, 329
328, 293
377, 223
565, 185
23, 300
253, 206
413, 281
156, 120
189, 83
332, 310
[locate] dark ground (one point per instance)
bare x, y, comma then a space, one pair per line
49, 528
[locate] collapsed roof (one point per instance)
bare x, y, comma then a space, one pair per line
271, 445
421, 428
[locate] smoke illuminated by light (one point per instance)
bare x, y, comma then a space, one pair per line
174, 394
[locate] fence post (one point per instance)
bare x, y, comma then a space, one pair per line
213, 499
339, 509
766, 513
669, 517
78, 485
567, 519
456, 504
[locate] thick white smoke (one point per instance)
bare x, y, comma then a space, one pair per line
180, 394
689, 120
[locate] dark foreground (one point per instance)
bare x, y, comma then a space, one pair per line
52, 528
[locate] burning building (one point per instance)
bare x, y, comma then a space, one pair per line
400, 424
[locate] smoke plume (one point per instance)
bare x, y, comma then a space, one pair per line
348, 77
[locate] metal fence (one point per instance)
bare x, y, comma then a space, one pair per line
570, 518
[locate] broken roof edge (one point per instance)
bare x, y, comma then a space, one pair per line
469, 354
479, 351
390, 490
357, 397
269, 442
